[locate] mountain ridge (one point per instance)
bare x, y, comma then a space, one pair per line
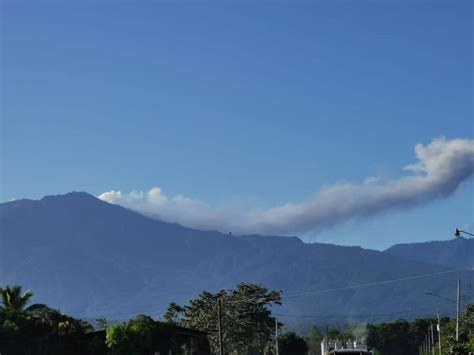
457, 252
82, 254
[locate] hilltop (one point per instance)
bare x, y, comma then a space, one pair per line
92, 258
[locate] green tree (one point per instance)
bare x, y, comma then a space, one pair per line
102, 323
467, 324
13, 299
391, 338
53, 322
24, 329
466, 333
134, 337
402, 337
247, 324
313, 339
292, 344
172, 313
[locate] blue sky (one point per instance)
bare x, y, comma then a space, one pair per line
259, 104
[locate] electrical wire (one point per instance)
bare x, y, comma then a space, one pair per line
291, 295
385, 282
349, 315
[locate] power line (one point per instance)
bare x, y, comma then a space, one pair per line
147, 310
385, 282
111, 308
349, 315
123, 313
291, 295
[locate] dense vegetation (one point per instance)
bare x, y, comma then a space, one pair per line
246, 321
247, 324
402, 337
38, 329
143, 335
292, 344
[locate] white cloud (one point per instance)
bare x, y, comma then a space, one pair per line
442, 166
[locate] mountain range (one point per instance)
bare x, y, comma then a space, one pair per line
453, 253
94, 259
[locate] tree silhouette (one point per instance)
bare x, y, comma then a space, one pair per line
13, 299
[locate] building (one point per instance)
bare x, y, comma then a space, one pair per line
354, 347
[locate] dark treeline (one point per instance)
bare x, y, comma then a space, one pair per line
402, 337
247, 327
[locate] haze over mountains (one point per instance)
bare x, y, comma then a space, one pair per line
454, 253
91, 258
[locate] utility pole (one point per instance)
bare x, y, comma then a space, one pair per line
439, 333
219, 325
458, 301
327, 337
432, 340
429, 341
276, 335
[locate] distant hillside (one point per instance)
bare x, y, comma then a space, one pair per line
452, 253
92, 258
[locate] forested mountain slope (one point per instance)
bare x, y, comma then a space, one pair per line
92, 258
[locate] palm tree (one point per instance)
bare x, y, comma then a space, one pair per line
14, 300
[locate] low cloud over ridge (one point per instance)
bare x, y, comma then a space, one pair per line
442, 166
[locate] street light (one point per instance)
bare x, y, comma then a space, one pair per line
457, 233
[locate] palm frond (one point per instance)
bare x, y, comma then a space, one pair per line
12, 298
